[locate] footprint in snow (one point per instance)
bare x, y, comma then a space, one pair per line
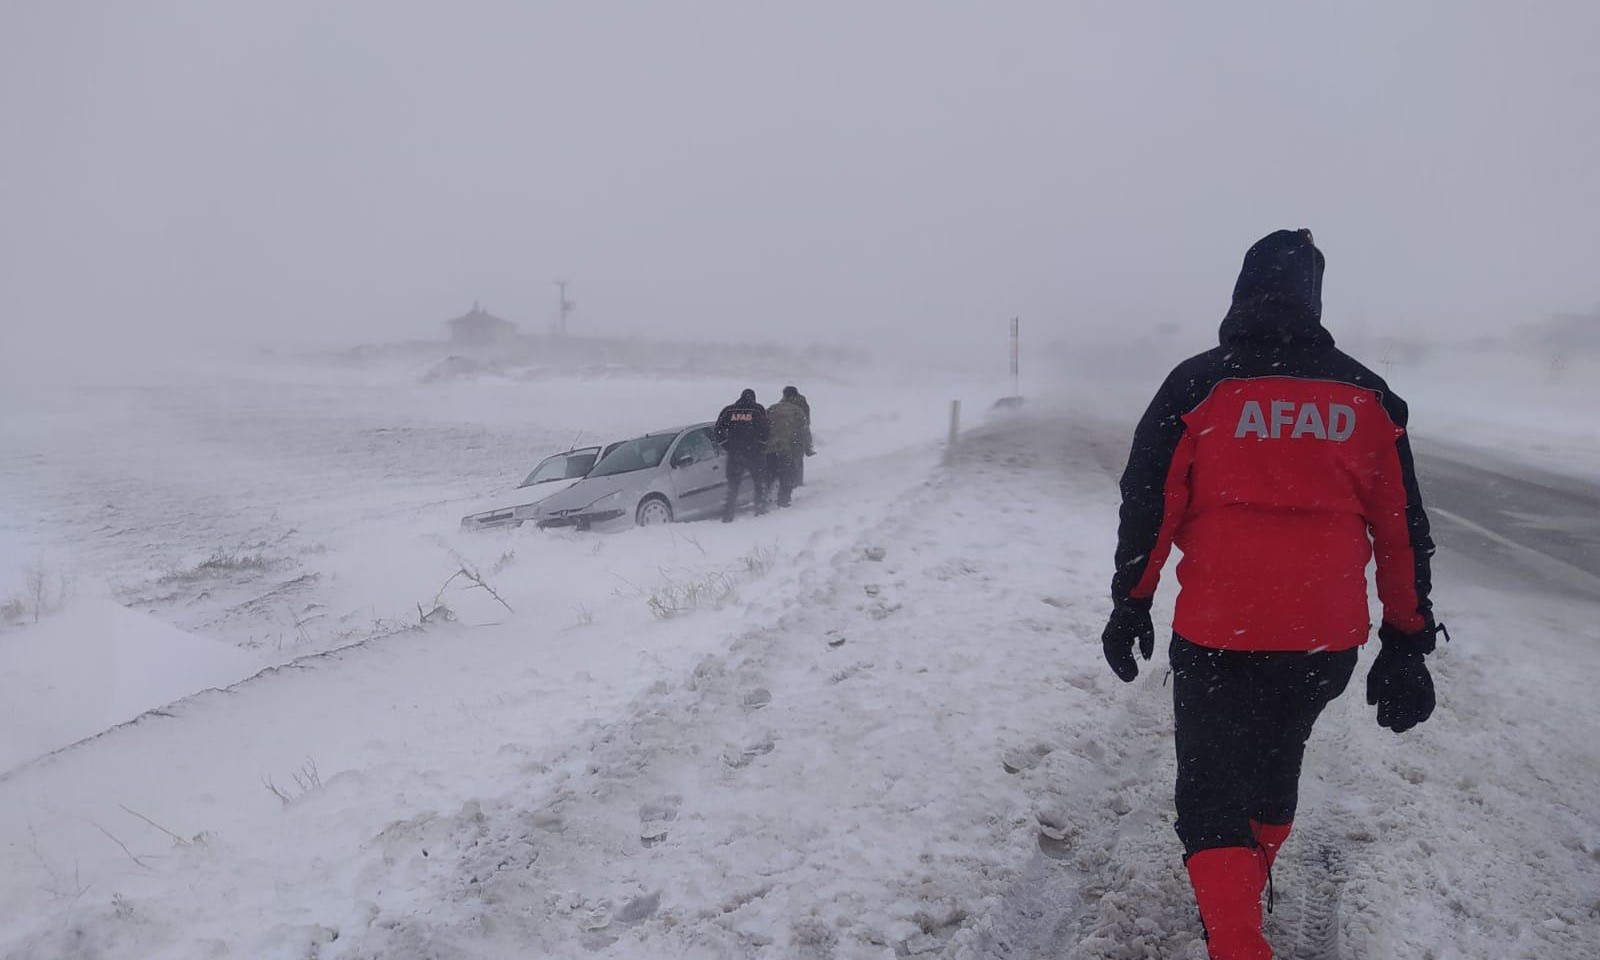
640, 908
1053, 847
740, 757
1019, 759
654, 819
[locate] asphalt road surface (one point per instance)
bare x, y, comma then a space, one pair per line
1539, 527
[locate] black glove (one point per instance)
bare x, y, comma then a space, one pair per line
1399, 684
1128, 623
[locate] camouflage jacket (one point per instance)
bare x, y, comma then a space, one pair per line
791, 429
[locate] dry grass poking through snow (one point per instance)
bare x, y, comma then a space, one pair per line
679, 594
44, 591
224, 563
307, 780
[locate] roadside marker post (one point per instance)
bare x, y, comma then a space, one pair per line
955, 430
1016, 356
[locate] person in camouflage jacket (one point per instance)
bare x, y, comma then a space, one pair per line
787, 445
793, 393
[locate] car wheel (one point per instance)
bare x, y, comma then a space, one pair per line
653, 511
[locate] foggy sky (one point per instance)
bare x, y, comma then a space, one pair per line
281, 171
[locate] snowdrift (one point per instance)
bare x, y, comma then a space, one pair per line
93, 666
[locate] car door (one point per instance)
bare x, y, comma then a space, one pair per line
699, 474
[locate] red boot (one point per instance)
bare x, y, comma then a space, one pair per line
1227, 886
1270, 837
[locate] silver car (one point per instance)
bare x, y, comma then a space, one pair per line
660, 477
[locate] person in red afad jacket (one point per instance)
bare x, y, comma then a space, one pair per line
1279, 466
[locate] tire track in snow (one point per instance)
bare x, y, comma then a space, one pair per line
1306, 922
1105, 881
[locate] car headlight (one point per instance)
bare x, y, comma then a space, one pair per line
610, 498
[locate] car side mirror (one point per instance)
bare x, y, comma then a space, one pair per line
682, 460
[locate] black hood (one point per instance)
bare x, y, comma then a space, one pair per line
1278, 299
746, 399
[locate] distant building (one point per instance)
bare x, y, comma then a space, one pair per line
480, 328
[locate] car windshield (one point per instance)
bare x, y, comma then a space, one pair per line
563, 466
640, 454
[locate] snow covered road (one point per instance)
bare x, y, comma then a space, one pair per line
898, 739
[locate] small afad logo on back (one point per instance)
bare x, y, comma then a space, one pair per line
743, 416
1285, 419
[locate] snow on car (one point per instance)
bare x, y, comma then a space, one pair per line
553, 475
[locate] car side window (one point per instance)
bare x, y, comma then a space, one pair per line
578, 466
696, 445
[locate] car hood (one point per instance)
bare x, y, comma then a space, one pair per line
588, 491
522, 496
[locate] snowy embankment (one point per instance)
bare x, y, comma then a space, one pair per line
892, 734
95, 666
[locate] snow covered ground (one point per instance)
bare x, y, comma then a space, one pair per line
874, 725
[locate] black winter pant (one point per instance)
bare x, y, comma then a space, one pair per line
784, 469
741, 462
1242, 722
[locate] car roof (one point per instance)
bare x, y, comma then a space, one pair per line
568, 453
674, 431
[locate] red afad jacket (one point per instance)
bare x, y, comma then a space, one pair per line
1280, 467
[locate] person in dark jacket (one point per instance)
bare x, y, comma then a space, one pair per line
793, 393
786, 450
742, 431
1279, 466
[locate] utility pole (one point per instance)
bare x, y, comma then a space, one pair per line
564, 308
